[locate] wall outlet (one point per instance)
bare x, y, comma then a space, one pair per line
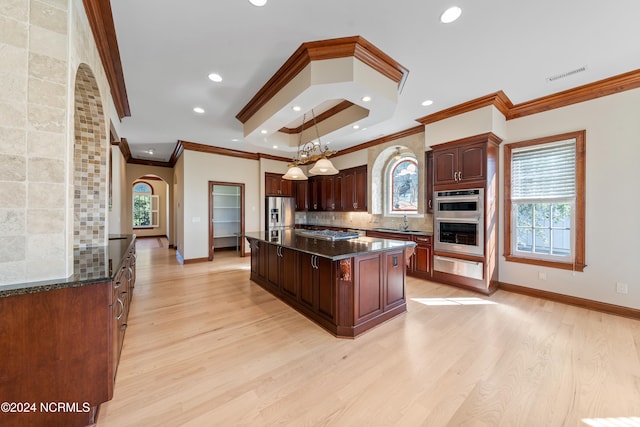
542, 275
622, 288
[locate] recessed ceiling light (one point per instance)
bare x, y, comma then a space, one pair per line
356, 126
235, 140
366, 98
258, 2
275, 146
150, 151
427, 102
215, 77
263, 131
198, 110
450, 15
296, 108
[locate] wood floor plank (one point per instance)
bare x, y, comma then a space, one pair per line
206, 346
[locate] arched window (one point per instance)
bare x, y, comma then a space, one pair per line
402, 186
145, 206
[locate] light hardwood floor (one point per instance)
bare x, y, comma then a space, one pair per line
207, 347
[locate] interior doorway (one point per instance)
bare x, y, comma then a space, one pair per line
226, 217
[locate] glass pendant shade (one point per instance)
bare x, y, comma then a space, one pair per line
323, 167
295, 174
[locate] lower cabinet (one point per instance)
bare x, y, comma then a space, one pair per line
346, 297
420, 263
63, 345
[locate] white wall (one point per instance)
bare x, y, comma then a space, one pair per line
118, 177
612, 199
199, 169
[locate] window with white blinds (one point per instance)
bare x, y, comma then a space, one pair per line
544, 201
546, 171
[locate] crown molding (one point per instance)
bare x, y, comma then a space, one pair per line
104, 33
497, 99
354, 46
210, 149
600, 88
382, 140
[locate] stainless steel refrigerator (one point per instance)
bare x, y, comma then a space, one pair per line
279, 213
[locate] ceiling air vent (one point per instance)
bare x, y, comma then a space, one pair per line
567, 74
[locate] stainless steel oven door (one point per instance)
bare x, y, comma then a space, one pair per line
459, 235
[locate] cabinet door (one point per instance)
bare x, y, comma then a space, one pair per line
428, 182
337, 192
394, 279
307, 279
314, 194
255, 257
302, 202
326, 289
360, 195
271, 184
286, 187
327, 202
472, 161
422, 259
367, 287
263, 263
445, 165
273, 271
347, 190
288, 278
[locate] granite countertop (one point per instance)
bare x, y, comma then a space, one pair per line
380, 229
334, 250
91, 265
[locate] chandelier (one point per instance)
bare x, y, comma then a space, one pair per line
312, 151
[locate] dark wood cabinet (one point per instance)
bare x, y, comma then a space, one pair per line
346, 297
354, 189
460, 164
300, 190
428, 182
64, 344
344, 192
422, 257
274, 185
420, 263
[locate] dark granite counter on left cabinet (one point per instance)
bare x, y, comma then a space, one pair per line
91, 265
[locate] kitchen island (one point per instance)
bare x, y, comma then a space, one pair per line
346, 286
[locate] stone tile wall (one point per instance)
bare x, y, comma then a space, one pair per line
33, 129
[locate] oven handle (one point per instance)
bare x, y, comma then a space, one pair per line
458, 198
462, 261
475, 220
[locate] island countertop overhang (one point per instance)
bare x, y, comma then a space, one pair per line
334, 250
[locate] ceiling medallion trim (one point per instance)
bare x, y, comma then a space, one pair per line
354, 46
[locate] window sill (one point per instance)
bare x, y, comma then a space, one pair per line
144, 228
546, 263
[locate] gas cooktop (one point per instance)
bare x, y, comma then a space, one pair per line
327, 234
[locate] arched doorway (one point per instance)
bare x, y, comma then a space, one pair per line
89, 163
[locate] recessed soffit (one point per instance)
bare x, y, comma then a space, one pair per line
329, 77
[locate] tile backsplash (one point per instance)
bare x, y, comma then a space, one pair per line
364, 220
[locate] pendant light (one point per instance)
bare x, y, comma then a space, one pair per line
310, 152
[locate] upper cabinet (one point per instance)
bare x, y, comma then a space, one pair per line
458, 165
428, 182
464, 162
354, 189
274, 185
344, 192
